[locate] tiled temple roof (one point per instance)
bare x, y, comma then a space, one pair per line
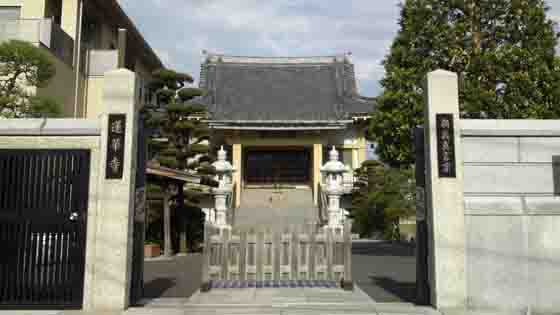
281, 88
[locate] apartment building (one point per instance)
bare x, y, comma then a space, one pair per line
86, 38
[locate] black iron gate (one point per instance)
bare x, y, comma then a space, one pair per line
43, 216
422, 281
137, 278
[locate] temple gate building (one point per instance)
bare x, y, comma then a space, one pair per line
279, 118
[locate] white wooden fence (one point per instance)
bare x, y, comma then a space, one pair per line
295, 253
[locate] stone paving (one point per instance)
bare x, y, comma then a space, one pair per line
325, 309
308, 301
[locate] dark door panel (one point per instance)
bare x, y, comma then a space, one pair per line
277, 166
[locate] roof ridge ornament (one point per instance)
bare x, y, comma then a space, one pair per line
326, 59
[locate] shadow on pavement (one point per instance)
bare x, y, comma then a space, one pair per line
178, 277
405, 291
384, 270
157, 287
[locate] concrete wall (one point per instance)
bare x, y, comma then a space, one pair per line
30, 9
62, 86
35, 9
70, 17
512, 213
94, 94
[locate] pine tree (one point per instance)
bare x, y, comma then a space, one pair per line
181, 142
384, 195
502, 50
23, 65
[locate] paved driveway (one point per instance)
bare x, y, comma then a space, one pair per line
178, 277
386, 271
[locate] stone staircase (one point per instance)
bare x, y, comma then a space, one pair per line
275, 208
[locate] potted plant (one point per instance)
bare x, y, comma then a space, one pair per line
152, 248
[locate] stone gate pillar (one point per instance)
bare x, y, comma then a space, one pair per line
444, 191
111, 265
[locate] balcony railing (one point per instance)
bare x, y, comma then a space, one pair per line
40, 32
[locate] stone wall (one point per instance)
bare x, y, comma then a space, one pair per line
109, 229
492, 208
512, 213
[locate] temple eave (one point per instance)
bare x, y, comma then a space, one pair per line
280, 125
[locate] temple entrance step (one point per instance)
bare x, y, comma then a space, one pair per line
277, 301
273, 207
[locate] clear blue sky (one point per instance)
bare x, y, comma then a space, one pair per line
180, 29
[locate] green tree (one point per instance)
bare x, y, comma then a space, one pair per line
181, 142
502, 50
23, 65
384, 196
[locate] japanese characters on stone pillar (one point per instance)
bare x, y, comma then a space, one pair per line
333, 171
444, 191
110, 282
224, 171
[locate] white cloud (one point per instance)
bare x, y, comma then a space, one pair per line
180, 29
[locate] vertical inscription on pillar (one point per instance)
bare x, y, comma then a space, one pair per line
115, 146
445, 145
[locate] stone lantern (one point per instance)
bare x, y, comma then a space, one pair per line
224, 171
333, 171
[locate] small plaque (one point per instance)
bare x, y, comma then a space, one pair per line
115, 146
445, 145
